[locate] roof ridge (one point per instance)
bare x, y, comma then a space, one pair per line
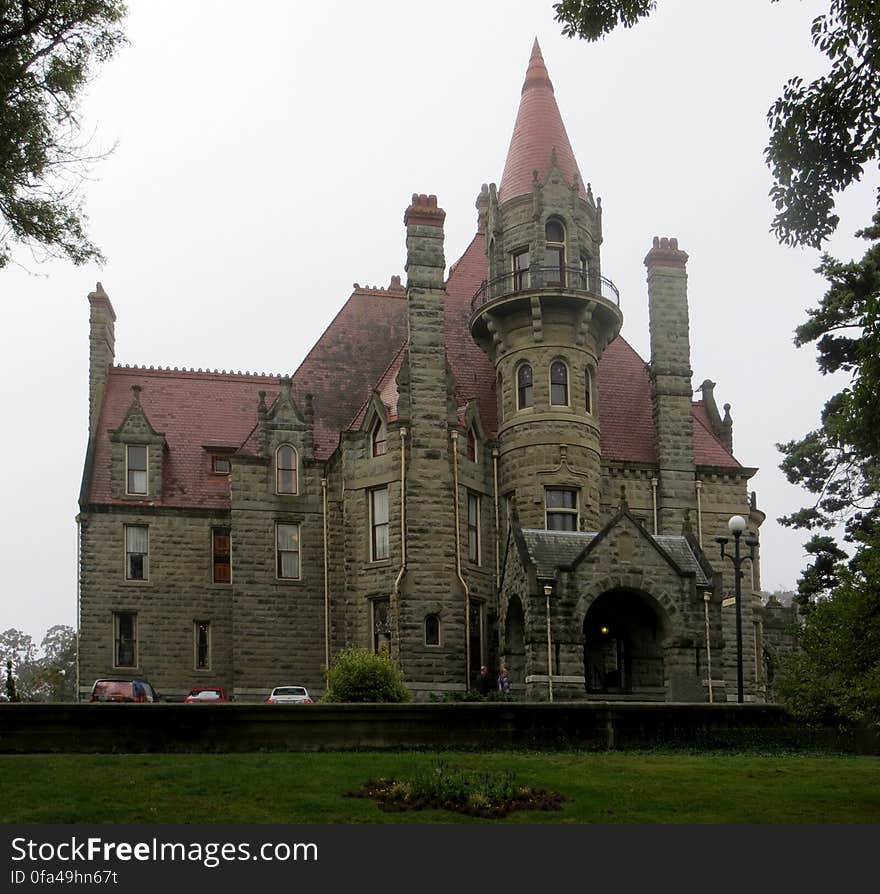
132, 367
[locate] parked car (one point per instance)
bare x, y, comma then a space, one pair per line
136, 690
205, 695
289, 695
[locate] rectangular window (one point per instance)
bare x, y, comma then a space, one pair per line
562, 508
381, 610
202, 644
521, 270
473, 527
379, 548
287, 551
136, 469
137, 552
124, 639
220, 465
221, 555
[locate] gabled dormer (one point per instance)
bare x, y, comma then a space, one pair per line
137, 454
286, 435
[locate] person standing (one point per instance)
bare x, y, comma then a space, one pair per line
484, 682
504, 681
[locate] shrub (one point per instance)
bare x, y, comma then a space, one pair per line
358, 675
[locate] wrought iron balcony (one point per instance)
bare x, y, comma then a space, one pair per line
568, 279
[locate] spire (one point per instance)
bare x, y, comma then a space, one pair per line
538, 132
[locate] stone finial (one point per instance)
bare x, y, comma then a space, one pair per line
136, 394
99, 293
395, 284
423, 210
666, 253
727, 429
482, 206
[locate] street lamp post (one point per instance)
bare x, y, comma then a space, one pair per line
736, 526
547, 591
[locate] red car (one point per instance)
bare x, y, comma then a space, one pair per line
206, 695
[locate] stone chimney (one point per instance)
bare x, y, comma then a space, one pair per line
102, 345
671, 390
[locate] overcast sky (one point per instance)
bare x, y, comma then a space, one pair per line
265, 153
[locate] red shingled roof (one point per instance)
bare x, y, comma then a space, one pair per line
708, 449
191, 409
625, 412
537, 132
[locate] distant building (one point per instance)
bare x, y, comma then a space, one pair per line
447, 451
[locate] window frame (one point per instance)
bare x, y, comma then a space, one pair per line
555, 245
117, 638
279, 552
217, 532
129, 471
436, 619
129, 553
209, 650
588, 389
379, 438
572, 512
556, 364
215, 460
520, 404
472, 450
520, 274
375, 526
374, 629
473, 527
279, 470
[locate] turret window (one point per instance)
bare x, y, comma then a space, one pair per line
588, 390
285, 470
524, 393
558, 384
521, 270
554, 253
585, 272
561, 508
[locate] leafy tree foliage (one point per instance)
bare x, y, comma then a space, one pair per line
51, 676
48, 49
835, 677
359, 675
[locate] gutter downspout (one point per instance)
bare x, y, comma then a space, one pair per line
402, 571
654, 500
699, 487
78, 598
326, 578
497, 527
708, 645
467, 592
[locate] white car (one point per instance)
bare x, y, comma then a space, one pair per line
289, 695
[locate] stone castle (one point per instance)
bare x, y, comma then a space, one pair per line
470, 468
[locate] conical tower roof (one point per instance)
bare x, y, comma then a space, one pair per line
537, 133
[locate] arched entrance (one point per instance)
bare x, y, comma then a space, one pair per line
514, 641
623, 645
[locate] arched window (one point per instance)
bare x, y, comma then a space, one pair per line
584, 273
524, 396
558, 384
285, 470
380, 438
432, 630
554, 253
588, 390
472, 445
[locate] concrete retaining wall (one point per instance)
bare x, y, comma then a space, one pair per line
33, 728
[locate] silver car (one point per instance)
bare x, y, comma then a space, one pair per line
289, 695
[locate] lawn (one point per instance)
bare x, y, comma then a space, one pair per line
612, 787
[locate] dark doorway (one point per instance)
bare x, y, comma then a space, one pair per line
623, 650
514, 641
